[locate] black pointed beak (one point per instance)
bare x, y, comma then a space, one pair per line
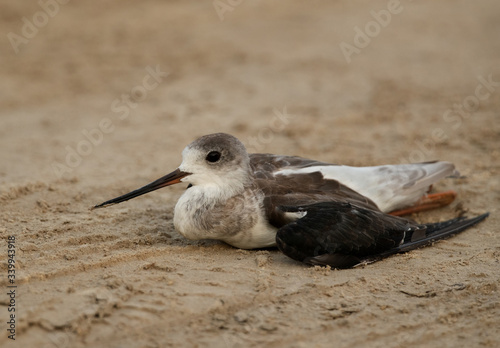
167, 180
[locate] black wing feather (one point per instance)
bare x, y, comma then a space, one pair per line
342, 235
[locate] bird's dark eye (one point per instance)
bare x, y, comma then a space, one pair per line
213, 156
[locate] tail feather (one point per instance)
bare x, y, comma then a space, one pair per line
435, 231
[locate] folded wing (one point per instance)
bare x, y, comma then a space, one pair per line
343, 235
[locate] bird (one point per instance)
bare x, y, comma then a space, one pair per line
314, 212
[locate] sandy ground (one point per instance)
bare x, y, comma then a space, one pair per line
275, 76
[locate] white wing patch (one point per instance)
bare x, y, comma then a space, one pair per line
391, 187
295, 215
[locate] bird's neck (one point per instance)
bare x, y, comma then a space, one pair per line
216, 189
211, 194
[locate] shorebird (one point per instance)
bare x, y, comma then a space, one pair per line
314, 212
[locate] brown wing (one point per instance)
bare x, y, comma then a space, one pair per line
299, 189
265, 164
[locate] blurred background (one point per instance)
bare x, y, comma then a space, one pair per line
361, 82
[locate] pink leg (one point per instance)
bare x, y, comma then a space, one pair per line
427, 202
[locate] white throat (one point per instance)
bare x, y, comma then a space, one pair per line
210, 212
